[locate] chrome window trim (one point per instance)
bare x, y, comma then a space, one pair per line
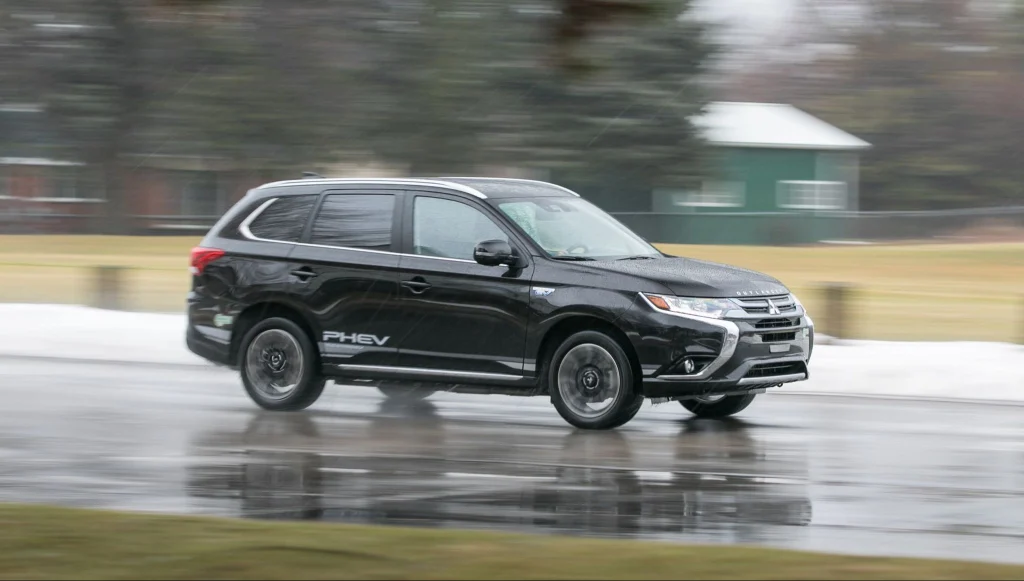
430, 372
732, 339
379, 181
247, 233
556, 186
244, 226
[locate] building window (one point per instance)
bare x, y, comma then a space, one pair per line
70, 183
200, 193
812, 195
714, 195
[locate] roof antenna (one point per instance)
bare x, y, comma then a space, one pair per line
307, 175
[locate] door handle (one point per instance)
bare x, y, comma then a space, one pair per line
305, 273
417, 285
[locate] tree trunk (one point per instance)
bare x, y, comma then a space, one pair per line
116, 220
132, 96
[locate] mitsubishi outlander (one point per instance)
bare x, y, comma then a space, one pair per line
480, 285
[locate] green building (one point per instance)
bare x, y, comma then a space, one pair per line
784, 175
775, 158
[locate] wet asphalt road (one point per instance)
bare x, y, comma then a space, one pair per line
817, 473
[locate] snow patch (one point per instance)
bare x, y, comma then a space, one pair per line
87, 333
961, 370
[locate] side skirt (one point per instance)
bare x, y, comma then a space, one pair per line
439, 380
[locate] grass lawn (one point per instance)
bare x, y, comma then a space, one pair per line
915, 292
56, 543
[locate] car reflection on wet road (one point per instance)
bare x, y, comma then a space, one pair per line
395, 470
830, 474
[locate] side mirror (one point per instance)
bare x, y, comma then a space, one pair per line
494, 253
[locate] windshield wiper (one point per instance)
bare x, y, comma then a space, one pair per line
639, 257
574, 258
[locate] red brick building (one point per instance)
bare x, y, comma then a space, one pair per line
51, 196
171, 194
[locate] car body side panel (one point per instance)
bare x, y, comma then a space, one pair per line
248, 274
563, 290
353, 293
353, 296
473, 318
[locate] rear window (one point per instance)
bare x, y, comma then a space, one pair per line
284, 219
361, 221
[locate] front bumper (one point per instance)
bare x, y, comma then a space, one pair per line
744, 353
740, 381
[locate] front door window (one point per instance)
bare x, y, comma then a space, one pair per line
449, 229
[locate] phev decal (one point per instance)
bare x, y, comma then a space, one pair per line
354, 338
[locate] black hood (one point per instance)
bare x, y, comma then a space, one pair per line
696, 278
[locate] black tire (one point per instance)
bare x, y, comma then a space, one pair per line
408, 392
721, 408
298, 365
578, 359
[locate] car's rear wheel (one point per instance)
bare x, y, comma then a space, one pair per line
409, 392
592, 383
718, 406
279, 366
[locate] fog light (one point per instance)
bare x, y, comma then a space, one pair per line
688, 365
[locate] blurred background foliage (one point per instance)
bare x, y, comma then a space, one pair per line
435, 86
937, 86
597, 93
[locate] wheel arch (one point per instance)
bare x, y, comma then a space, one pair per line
573, 323
257, 312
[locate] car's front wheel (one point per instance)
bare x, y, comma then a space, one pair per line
592, 383
717, 406
279, 366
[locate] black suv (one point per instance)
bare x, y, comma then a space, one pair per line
480, 285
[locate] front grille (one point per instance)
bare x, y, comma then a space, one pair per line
774, 369
777, 323
777, 337
761, 305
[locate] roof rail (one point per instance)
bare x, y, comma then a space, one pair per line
393, 181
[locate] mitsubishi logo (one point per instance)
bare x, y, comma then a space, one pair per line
772, 309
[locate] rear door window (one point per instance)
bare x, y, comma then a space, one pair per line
361, 221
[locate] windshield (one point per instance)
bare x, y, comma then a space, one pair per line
575, 229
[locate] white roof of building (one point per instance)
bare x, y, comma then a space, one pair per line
772, 125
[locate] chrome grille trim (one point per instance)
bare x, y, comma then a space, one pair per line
770, 305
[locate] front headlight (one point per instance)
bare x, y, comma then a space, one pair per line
711, 308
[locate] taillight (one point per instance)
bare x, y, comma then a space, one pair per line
202, 257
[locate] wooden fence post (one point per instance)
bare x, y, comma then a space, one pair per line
109, 287
837, 309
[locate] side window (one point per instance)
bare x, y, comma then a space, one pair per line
449, 229
284, 219
355, 221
